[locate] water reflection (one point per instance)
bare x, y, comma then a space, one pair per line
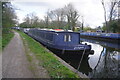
105, 60
103, 43
107, 66
97, 51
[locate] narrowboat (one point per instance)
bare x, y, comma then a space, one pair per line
110, 37
60, 41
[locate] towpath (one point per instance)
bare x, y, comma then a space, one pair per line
14, 61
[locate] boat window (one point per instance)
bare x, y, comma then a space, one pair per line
67, 38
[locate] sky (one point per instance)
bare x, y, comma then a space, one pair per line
91, 10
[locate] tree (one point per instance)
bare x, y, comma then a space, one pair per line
113, 9
0, 14
63, 18
47, 19
56, 17
114, 26
72, 16
9, 18
26, 22
60, 16
87, 29
31, 20
112, 12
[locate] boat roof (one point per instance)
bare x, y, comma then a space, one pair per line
54, 30
58, 30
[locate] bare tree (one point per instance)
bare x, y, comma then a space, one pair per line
32, 20
72, 16
60, 15
36, 21
47, 18
110, 7
27, 20
105, 14
57, 16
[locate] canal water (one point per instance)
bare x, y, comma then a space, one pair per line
105, 60
104, 63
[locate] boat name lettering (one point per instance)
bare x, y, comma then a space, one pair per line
78, 47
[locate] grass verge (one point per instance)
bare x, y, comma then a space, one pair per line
47, 60
0, 44
6, 37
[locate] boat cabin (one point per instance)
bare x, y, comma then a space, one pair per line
60, 41
58, 38
67, 38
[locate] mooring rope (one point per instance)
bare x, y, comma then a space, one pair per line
81, 60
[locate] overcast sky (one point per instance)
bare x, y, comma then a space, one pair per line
92, 10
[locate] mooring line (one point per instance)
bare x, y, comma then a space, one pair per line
81, 60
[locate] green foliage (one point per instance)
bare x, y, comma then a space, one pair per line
114, 26
87, 29
66, 27
104, 28
8, 15
76, 29
0, 43
52, 65
6, 37
24, 25
8, 20
0, 14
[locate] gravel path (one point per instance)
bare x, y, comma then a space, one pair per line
14, 61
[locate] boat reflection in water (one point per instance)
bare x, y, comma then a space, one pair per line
106, 62
107, 66
102, 43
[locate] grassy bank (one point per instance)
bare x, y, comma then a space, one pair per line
0, 43
47, 60
6, 37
